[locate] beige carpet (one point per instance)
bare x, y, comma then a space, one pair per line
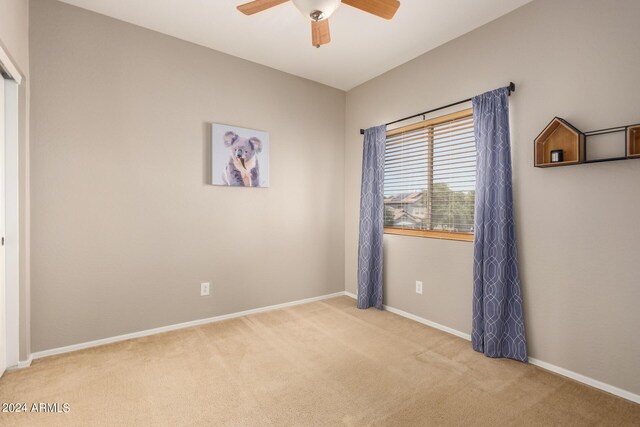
324, 363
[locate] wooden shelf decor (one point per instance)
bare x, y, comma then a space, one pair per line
633, 141
559, 135
562, 144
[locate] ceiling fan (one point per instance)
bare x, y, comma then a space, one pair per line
320, 10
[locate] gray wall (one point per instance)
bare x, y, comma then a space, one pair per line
14, 36
124, 225
577, 226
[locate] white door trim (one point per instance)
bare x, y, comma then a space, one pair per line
11, 233
9, 67
10, 71
3, 301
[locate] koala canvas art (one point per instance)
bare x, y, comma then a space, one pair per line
239, 156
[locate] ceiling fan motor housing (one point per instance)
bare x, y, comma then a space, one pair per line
316, 10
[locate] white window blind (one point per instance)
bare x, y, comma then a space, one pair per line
429, 178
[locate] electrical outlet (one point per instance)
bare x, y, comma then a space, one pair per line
418, 287
204, 289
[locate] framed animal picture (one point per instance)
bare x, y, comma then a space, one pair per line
239, 156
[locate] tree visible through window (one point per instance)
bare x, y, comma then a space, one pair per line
429, 178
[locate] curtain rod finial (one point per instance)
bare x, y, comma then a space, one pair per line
361, 131
512, 87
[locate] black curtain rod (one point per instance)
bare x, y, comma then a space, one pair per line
511, 87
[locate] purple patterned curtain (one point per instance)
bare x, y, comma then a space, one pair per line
498, 320
371, 219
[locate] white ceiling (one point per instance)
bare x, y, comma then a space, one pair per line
362, 46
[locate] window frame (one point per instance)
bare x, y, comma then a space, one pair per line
433, 234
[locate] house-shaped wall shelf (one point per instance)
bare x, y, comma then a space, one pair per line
633, 141
559, 135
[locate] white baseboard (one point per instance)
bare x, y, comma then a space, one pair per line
586, 380
418, 319
103, 341
21, 364
428, 322
25, 363
548, 366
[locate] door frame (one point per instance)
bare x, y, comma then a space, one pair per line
11, 228
8, 68
11, 79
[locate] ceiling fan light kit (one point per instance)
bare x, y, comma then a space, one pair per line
318, 11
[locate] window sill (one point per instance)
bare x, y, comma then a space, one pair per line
443, 235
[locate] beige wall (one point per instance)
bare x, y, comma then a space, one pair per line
578, 239
124, 224
14, 36
14, 30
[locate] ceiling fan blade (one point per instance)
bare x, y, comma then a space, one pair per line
382, 8
258, 6
320, 32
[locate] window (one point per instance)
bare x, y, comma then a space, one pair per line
430, 178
